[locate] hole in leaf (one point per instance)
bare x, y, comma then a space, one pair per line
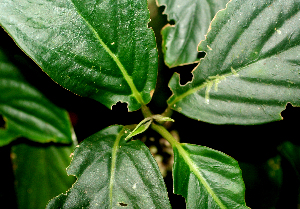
185, 72
2, 122
201, 55
123, 204
172, 22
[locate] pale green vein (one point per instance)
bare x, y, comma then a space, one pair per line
193, 167
127, 77
113, 165
212, 80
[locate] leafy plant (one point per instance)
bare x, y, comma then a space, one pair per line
105, 50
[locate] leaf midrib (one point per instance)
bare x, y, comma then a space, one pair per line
205, 84
195, 169
186, 157
126, 76
115, 148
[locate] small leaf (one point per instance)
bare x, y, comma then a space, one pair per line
207, 178
252, 66
27, 112
40, 173
113, 173
140, 128
161, 118
144, 124
98, 49
192, 19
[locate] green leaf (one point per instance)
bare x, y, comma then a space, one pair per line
144, 124
140, 128
207, 178
113, 173
98, 49
161, 118
40, 173
252, 66
27, 112
192, 19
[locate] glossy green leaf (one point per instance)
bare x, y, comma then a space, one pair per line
144, 124
27, 112
207, 178
252, 66
99, 49
140, 128
192, 19
40, 173
113, 173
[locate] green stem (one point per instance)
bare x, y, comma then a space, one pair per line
146, 111
166, 134
168, 112
185, 155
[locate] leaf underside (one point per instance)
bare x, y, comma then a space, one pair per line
192, 19
252, 66
27, 112
113, 173
207, 178
98, 49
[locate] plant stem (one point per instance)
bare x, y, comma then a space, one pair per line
165, 133
146, 111
188, 160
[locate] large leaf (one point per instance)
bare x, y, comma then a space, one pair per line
192, 19
113, 173
207, 178
252, 66
99, 49
49, 163
27, 112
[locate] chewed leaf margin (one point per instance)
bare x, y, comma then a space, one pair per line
69, 41
251, 69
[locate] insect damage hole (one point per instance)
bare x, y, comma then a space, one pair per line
123, 204
185, 73
2, 122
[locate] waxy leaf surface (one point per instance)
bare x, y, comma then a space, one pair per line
207, 178
192, 19
252, 66
98, 49
113, 173
27, 112
40, 173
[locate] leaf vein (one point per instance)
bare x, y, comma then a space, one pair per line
127, 77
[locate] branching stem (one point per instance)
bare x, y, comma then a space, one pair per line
165, 133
